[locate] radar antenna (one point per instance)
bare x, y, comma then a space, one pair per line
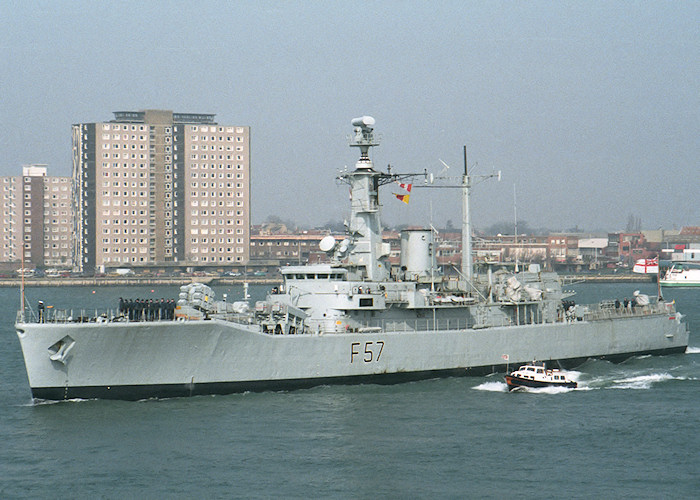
364, 137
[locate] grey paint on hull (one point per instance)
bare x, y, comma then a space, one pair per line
140, 392
163, 359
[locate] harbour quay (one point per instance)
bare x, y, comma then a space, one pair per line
136, 281
269, 278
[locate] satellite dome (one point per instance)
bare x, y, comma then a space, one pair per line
327, 243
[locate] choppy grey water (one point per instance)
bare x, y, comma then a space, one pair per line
629, 431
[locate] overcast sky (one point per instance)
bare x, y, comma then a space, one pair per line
590, 109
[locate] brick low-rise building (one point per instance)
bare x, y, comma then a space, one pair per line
287, 248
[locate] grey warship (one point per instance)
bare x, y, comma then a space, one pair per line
353, 320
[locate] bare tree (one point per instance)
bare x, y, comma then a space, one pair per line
634, 224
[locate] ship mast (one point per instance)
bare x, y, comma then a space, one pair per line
368, 255
467, 263
465, 183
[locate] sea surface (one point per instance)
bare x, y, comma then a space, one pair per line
630, 430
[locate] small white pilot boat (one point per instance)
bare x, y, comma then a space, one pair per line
537, 375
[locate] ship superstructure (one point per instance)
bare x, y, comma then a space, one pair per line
359, 291
353, 320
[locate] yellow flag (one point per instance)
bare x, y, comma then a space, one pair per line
402, 197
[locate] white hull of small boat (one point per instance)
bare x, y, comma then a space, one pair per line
537, 376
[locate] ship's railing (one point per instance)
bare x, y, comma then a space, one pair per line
417, 325
54, 315
396, 296
609, 310
421, 325
240, 318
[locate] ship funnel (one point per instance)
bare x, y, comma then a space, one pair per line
417, 258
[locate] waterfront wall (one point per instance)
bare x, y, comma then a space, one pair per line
210, 280
133, 281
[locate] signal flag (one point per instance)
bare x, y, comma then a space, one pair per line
402, 197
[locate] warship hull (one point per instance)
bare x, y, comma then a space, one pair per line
356, 319
141, 360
